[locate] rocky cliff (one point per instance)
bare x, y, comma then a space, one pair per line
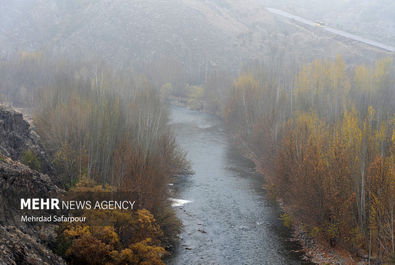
23, 242
17, 137
19, 248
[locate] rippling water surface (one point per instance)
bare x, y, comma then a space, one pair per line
226, 216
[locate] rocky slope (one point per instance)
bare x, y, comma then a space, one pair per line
22, 242
16, 137
19, 181
18, 248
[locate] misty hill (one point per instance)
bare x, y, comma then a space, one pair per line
185, 37
370, 19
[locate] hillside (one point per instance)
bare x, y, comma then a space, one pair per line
17, 139
22, 242
188, 38
370, 19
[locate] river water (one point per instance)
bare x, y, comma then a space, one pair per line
226, 216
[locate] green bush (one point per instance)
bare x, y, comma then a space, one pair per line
315, 231
166, 90
287, 220
31, 160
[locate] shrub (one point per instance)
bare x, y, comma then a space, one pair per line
127, 238
315, 231
31, 160
286, 218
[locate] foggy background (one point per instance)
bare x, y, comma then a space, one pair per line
191, 38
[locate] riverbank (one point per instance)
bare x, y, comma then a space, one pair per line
315, 249
227, 218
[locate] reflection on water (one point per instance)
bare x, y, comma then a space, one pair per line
227, 219
178, 202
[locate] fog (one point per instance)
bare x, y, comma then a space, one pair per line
197, 36
370, 19
249, 131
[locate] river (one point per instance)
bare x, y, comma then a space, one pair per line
226, 216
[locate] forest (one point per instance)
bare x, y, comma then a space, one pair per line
325, 139
104, 132
326, 143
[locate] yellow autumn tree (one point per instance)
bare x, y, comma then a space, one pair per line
111, 236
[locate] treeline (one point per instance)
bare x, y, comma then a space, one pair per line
110, 128
326, 140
